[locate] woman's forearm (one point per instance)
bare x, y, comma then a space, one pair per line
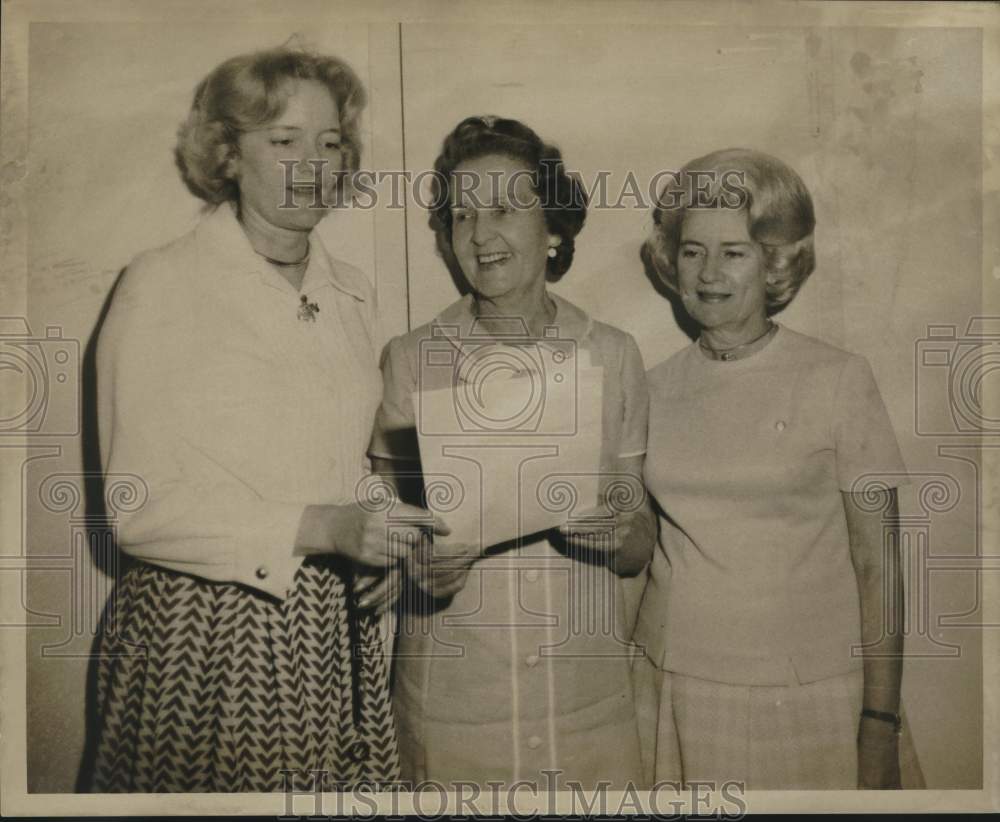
882, 649
875, 552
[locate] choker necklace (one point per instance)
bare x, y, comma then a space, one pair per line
728, 354
283, 264
271, 260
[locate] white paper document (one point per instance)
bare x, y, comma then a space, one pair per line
504, 456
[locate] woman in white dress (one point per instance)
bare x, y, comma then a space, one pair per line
515, 665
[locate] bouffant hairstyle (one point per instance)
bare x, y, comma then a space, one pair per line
247, 92
779, 216
561, 196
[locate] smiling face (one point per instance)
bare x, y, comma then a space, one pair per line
308, 129
720, 271
498, 230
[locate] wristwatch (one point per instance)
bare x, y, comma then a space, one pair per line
885, 716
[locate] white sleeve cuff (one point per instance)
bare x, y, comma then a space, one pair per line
268, 562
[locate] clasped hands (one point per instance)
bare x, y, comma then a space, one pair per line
435, 567
402, 542
440, 568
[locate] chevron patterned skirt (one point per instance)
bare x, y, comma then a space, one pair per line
214, 687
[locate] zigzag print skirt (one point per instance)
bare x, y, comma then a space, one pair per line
213, 687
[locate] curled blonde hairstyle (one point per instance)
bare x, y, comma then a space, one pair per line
779, 210
247, 92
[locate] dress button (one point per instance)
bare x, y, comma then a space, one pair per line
531, 575
532, 660
534, 742
261, 572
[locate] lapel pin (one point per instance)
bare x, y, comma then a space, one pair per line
307, 310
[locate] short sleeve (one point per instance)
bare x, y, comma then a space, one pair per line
863, 435
394, 435
636, 423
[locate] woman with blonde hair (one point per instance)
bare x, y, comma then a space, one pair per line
241, 660
771, 617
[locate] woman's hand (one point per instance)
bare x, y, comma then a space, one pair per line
379, 591
439, 570
376, 539
442, 569
596, 530
878, 755
623, 540
621, 530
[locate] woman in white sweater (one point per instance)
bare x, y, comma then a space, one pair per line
238, 377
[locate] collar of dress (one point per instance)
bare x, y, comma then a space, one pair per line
459, 324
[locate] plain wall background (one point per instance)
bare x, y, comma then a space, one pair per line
883, 125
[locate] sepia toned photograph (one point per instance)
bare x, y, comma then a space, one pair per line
579, 408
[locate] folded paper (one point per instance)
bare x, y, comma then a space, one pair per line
509, 450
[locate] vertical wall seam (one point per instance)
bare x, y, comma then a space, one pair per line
406, 186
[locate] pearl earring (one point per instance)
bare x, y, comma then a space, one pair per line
552, 252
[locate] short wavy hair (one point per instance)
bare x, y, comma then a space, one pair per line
247, 92
562, 197
780, 216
